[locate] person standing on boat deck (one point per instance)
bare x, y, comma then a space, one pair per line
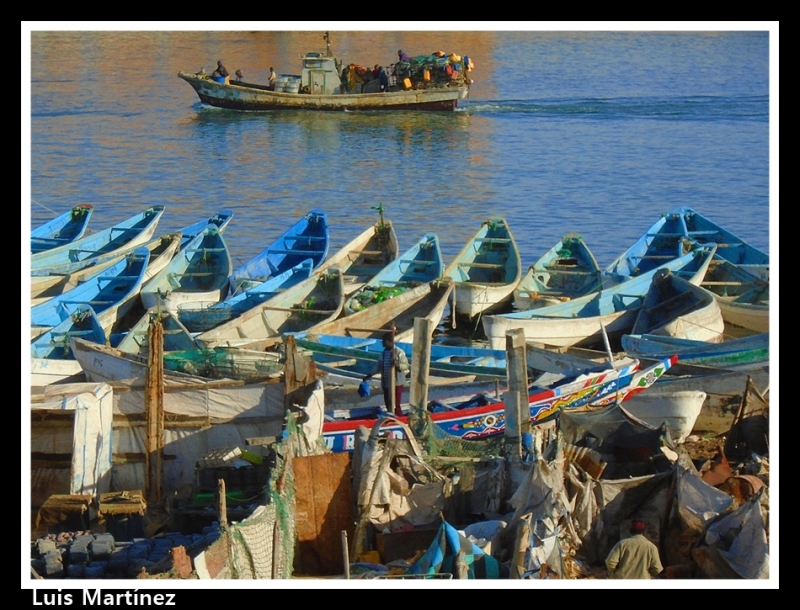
220, 71
383, 78
239, 76
391, 357
634, 557
272, 78
402, 56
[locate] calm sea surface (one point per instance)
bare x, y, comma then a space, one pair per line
593, 132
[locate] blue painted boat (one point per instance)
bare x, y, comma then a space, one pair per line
672, 235
123, 236
111, 295
359, 355
729, 247
419, 265
52, 360
582, 320
63, 229
566, 271
200, 317
197, 274
221, 220
730, 354
307, 238
742, 296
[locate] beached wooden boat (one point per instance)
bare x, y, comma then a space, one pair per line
669, 237
201, 317
162, 250
128, 234
675, 307
307, 238
479, 421
358, 356
729, 247
729, 354
111, 295
679, 410
420, 264
221, 220
583, 320
198, 274
175, 336
102, 363
425, 83
52, 360
63, 229
743, 297
487, 270
298, 308
427, 301
365, 255
566, 271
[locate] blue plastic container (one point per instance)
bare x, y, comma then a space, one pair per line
219, 79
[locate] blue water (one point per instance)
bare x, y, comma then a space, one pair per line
593, 132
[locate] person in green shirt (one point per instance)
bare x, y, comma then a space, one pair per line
634, 557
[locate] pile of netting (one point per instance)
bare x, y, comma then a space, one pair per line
224, 363
435, 441
373, 295
436, 69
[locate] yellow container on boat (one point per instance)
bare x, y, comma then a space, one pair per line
426, 75
407, 83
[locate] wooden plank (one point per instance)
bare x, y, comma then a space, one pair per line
323, 494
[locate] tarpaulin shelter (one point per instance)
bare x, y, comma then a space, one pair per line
452, 553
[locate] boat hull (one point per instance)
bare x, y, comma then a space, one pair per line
238, 97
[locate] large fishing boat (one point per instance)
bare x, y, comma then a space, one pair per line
426, 82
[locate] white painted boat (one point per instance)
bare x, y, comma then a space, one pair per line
301, 307
582, 321
679, 410
198, 274
487, 270
102, 363
364, 256
743, 297
675, 307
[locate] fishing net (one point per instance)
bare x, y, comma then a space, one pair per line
224, 363
263, 545
437, 442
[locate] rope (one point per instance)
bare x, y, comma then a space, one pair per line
53, 212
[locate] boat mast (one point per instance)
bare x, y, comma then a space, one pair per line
328, 43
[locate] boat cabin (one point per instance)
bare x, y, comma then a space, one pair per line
320, 74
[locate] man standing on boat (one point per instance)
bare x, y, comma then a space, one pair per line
272, 78
392, 361
634, 557
220, 71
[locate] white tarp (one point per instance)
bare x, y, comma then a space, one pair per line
86, 443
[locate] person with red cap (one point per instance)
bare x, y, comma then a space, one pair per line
634, 557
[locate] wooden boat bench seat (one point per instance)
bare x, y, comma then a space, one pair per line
204, 250
118, 278
357, 253
87, 302
308, 237
483, 265
656, 257
305, 252
575, 272
493, 240
413, 262
70, 333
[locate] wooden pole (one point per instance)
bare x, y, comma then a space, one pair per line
154, 410
517, 413
420, 367
392, 380
346, 555
222, 503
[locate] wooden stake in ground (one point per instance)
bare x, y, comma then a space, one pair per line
154, 410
